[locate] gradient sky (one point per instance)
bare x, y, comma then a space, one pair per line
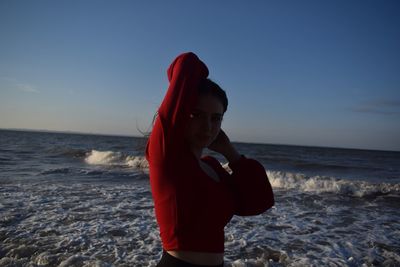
319, 73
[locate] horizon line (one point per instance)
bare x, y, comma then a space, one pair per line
135, 136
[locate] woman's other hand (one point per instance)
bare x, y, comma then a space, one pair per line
223, 145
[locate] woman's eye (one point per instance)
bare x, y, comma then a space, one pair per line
199, 115
217, 118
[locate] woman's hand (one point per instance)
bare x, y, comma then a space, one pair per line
223, 145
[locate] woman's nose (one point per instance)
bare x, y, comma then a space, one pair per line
207, 124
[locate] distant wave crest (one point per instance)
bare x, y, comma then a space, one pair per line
111, 158
320, 184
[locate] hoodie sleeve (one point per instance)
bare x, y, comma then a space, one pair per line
185, 75
253, 192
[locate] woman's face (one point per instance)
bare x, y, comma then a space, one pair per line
205, 122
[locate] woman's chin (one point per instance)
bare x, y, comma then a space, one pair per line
203, 143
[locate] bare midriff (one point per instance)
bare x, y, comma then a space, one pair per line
200, 258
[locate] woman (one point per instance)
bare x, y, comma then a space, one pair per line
194, 196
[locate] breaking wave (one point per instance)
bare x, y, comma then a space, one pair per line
321, 184
110, 158
278, 179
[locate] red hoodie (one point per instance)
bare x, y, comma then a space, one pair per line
191, 208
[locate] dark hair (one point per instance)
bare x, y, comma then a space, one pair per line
209, 87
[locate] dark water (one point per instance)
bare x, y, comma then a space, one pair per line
84, 200
368, 165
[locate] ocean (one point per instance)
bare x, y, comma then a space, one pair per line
84, 200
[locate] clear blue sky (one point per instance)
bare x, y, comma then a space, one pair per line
323, 73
